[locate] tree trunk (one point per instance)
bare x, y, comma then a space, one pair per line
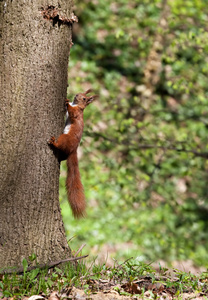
34, 53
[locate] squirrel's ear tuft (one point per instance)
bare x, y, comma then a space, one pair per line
88, 91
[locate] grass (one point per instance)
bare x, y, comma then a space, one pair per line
128, 278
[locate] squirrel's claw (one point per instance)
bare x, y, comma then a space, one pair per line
51, 141
67, 102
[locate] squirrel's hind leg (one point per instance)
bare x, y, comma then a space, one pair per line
51, 141
58, 148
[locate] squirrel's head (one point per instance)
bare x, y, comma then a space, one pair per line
82, 100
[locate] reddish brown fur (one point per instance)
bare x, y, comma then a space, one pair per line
75, 190
67, 144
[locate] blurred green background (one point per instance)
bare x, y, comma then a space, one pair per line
143, 155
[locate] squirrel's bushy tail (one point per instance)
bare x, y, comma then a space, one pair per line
74, 186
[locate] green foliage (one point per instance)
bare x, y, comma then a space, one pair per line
143, 154
40, 281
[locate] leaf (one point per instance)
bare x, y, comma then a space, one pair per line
36, 297
24, 264
32, 257
53, 296
33, 273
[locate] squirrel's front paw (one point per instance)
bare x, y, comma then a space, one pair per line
67, 102
52, 140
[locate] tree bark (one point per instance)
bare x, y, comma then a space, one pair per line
34, 55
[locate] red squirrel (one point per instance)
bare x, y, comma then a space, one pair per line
67, 145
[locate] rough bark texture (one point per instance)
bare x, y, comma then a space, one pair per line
33, 84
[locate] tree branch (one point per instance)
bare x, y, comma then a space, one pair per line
48, 265
151, 146
172, 148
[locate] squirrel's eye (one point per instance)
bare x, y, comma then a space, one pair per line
84, 98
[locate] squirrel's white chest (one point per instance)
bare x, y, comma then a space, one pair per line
66, 129
67, 124
68, 121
